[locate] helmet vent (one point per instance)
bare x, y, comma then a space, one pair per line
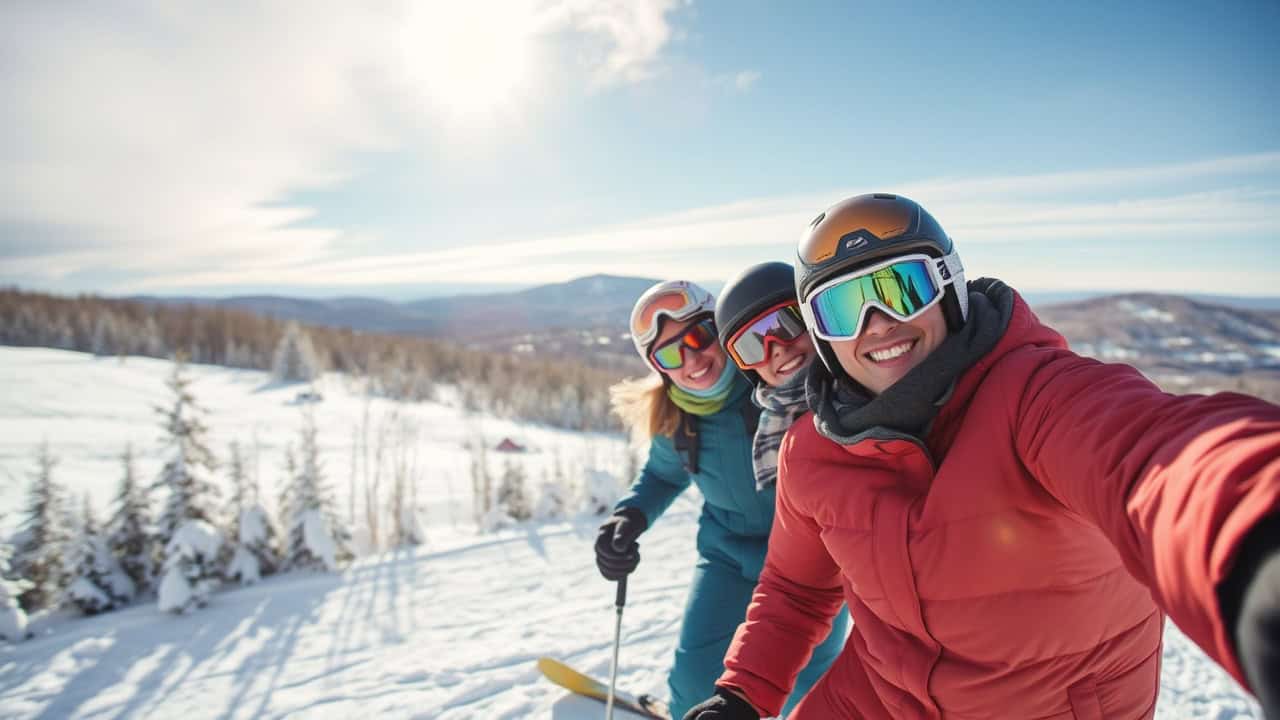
818, 219
885, 196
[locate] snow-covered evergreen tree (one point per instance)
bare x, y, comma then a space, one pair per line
600, 491
43, 539
314, 535
191, 570
97, 581
481, 481
186, 475
256, 555
512, 496
553, 499
295, 359
242, 495
129, 530
13, 620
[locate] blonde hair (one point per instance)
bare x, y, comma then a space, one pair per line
645, 408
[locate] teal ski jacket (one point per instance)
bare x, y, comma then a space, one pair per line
736, 518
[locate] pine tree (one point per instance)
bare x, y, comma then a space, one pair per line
512, 497
13, 621
191, 494
241, 497
295, 358
97, 582
256, 554
43, 537
481, 482
191, 571
129, 530
314, 535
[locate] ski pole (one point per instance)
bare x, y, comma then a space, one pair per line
618, 602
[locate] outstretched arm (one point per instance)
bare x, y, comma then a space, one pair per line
1176, 482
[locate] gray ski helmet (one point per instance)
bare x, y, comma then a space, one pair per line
748, 294
864, 229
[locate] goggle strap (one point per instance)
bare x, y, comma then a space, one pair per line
950, 266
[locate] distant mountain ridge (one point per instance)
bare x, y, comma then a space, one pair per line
1184, 344
586, 302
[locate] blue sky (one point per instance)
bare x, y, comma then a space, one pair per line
405, 149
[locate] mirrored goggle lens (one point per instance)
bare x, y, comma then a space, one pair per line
672, 303
901, 289
699, 337
751, 345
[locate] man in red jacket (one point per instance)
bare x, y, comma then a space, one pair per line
1008, 522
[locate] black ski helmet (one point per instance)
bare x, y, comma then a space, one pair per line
864, 229
748, 294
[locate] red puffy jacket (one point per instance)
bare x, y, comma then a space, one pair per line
1010, 570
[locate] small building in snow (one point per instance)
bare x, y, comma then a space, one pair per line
509, 445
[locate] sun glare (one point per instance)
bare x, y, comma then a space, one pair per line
471, 63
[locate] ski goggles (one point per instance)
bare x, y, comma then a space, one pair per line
902, 287
676, 303
781, 324
697, 337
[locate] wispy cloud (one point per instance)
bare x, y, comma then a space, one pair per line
154, 136
1027, 211
160, 141
745, 80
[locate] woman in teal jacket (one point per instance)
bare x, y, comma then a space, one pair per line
699, 419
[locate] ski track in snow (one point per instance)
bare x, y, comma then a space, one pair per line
449, 630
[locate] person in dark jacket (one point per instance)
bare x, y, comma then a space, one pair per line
697, 416
1008, 522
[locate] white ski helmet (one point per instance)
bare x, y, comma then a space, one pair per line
677, 300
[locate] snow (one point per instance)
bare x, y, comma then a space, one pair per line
450, 629
13, 622
244, 567
315, 533
189, 569
88, 408
253, 526
88, 594
175, 593
1146, 312
195, 537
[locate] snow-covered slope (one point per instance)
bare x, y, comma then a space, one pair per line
450, 630
440, 632
88, 408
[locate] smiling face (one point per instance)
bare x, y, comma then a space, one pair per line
700, 369
786, 360
887, 349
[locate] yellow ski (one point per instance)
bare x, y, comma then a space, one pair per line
574, 681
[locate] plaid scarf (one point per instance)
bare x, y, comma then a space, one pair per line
779, 407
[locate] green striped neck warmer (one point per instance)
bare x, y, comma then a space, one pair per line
730, 386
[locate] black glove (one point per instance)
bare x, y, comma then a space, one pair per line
617, 552
723, 706
1250, 601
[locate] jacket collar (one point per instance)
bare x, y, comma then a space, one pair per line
846, 413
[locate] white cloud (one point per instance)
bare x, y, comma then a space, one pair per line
714, 242
165, 135
630, 35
